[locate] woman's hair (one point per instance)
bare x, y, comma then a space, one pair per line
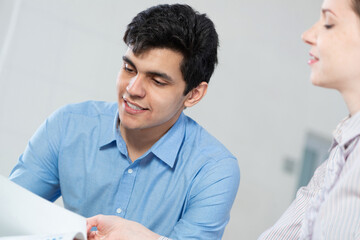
180, 28
356, 6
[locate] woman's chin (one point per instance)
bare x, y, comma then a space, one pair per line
315, 81
319, 82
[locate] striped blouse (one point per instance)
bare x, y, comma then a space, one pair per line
329, 206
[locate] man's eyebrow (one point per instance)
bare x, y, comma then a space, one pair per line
161, 75
127, 60
153, 73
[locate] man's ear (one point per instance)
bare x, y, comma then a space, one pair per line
196, 94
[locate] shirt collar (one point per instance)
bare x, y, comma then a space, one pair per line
347, 130
108, 134
168, 146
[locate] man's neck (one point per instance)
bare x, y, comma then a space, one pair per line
138, 141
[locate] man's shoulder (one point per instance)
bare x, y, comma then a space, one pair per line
204, 143
206, 158
90, 108
83, 118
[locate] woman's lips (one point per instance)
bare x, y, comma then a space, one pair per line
313, 59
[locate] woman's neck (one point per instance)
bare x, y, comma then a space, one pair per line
352, 100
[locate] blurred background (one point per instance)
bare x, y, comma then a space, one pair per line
260, 102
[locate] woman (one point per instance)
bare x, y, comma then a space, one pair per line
329, 207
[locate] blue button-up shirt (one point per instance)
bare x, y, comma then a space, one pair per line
183, 187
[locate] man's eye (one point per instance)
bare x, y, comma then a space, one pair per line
158, 82
127, 68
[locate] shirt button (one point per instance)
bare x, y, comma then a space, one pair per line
130, 171
118, 210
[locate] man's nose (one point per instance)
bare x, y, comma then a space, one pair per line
136, 86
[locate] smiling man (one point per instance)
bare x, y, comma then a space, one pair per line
151, 93
142, 160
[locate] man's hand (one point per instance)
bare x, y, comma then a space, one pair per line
112, 227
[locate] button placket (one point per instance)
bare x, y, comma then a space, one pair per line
125, 189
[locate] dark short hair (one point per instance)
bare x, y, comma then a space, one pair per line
177, 27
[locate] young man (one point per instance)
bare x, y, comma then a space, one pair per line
142, 159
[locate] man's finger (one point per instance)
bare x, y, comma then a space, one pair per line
92, 222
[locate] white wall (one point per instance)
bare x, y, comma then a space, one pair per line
260, 102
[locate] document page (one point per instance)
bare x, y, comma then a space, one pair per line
24, 215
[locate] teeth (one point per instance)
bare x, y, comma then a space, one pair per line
312, 57
133, 106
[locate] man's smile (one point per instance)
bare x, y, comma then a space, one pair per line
132, 107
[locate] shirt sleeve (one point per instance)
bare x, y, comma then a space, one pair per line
37, 168
207, 210
289, 224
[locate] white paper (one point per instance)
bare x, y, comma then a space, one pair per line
65, 236
24, 215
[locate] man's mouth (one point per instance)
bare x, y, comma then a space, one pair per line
134, 106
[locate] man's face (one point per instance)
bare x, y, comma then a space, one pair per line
150, 90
